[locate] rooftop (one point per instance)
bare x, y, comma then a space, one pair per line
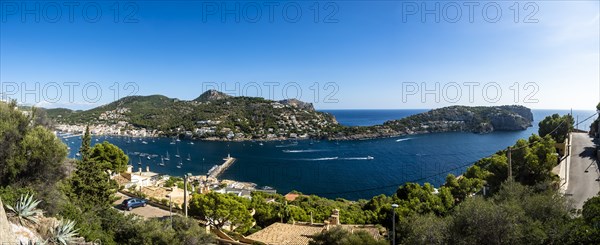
302, 233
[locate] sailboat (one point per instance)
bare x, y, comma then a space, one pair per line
167, 158
178, 156
180, 164
162, 161
140, 161
189, 158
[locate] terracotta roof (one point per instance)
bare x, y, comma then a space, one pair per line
300, 234
122, 180
292, 196
280, 233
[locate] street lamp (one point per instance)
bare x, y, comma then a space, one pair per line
394, 206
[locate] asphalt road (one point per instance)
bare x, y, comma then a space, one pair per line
584, 176
146, 212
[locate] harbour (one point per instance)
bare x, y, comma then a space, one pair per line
323, 167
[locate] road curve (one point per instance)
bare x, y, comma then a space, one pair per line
584, 175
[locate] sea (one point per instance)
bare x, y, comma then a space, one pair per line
352, 170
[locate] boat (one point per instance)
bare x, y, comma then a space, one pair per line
162, 162
144, 142
177, 155
261, 143
78, 154
189, 158
370, 158
140, 161
148, 157
177, 140
180, 164
167, 158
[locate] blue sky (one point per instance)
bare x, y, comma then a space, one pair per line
358, 54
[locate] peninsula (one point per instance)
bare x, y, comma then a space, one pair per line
217, 116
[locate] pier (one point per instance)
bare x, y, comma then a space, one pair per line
217, 170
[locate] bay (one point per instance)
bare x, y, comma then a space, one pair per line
331, 169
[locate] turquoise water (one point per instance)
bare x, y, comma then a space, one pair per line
332, 169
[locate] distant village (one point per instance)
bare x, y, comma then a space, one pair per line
115, 122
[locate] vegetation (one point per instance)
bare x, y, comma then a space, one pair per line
111, 156
556, 126
217, 210
63, 233
339, 236
250, 116
90, 184
33, 161
255, 118
25, 210
524, 209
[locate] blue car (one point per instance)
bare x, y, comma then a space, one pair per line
131, 203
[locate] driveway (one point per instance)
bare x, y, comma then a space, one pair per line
146, 212
584, 176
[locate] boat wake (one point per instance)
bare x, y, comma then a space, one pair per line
339, 158
357, 158
320, 159
301, 151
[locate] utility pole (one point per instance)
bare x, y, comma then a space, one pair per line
394, 206
185, 192
170, 209
508, 155
185, 206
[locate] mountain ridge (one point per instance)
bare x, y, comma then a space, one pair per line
215, 115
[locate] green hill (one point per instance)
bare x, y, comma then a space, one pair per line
215, 115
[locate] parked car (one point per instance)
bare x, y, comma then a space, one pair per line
131, 203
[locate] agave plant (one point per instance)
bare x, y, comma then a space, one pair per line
63, 232
25, 210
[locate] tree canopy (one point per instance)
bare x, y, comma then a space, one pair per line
111, 156
556, 126
218, 210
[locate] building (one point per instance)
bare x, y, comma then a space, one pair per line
139, 179
301, 233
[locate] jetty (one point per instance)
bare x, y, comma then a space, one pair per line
217, 170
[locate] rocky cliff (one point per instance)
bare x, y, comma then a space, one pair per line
6, 234
477, 119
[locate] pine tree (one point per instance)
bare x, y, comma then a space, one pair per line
86, 142
91, 184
